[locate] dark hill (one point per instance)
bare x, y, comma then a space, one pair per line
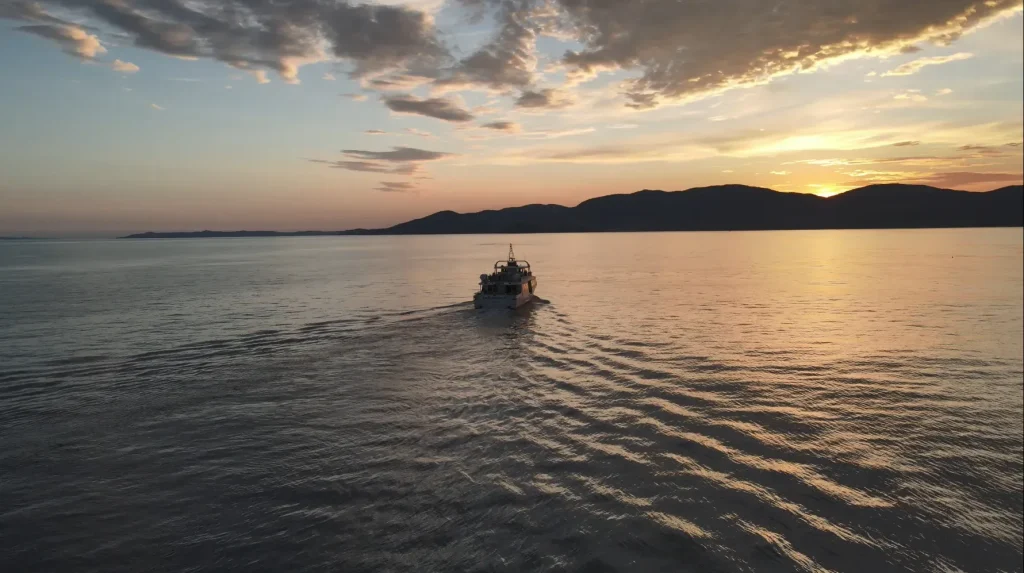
738, 207
718, 208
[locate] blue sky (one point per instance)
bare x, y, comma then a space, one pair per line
129, 137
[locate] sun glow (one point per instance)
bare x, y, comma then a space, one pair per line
827, 190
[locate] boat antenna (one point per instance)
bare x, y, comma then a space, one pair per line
511, 255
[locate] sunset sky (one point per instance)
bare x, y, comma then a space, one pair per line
131, 115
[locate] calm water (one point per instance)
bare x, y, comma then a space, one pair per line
790, 401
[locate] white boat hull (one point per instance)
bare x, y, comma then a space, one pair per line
501, 300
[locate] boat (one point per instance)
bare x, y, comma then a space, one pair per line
510, 285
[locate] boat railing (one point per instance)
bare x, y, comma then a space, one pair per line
522, 266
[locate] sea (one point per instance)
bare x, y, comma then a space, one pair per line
814, 401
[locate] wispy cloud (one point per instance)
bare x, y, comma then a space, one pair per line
398, 154
906, 143
557, 133
506, 126
911, 68
954, 179
124, 67
395, 186
398, 161
328, 77
911, 95
438, 108
72, 39
543, 99
156, 107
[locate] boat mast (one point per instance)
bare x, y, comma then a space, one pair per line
511, 255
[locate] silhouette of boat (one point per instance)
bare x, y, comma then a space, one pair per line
510, 285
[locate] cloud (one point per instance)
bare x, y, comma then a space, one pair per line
328, 77
557, 133
509, 59
911, 95
911, 68
678, 46
395, 187
944, 91
507, 126
780, 172
252, 35
906, 143
980, 150
395, 82
72, 39
670, 50
398, 161
439, 108
965, 178
545, 98
406, 131
370, 166
354, 97
398, 154
124, 67
156, 107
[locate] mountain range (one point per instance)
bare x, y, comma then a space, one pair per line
717, 208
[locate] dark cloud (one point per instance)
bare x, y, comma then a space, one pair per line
545, 98
395, 186
980, 149
906, 143
397, 82
397, 154
365, 166
398, 161
439, 108
509, 126
262, 34
508, 59
677, 48
960, 178
690, 47
375, 132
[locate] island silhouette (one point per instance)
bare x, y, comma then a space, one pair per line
716, 208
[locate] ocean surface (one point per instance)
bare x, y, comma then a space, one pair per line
761, 401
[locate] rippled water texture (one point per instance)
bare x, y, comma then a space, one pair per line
791, 401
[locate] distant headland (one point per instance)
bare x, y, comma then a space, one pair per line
717, 208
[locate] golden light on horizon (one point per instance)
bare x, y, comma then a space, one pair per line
826, 190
